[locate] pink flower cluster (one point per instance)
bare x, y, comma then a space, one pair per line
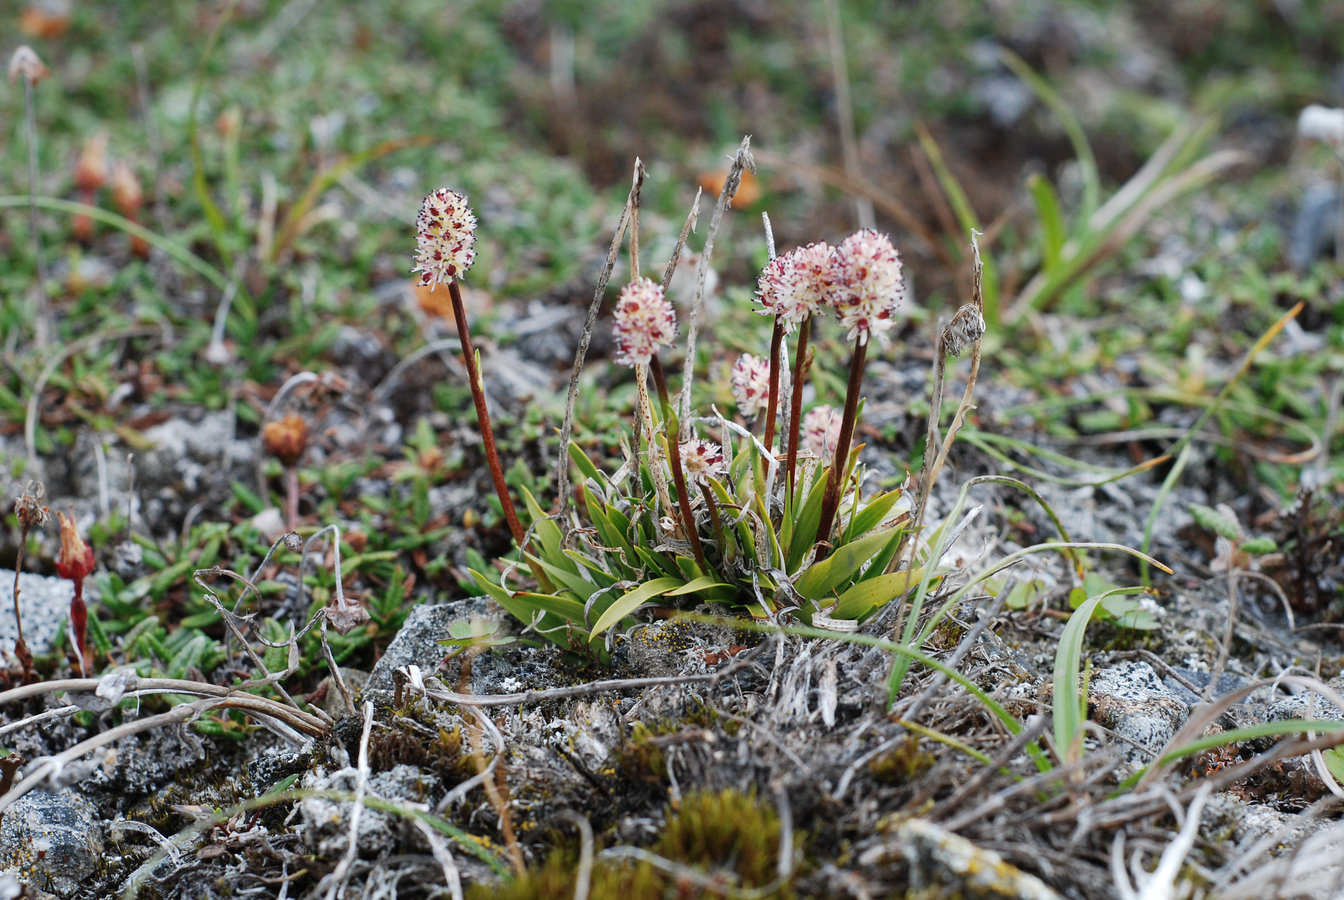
445, 238
869, 286
796, 285
644, 322
821, 432
702, 459
751, 384
861, 279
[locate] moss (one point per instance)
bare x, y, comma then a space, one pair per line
727, 835
903, 764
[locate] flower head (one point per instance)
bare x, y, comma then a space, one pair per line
644, 322
28, 509
1320, 123
794, 286
702, 459
966, 327
26, 64
821, 432
445, 238
868, 283
751, 384
285, 439
76, 560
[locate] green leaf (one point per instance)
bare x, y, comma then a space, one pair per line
826, 576
1259, 546
560, 615
632, 600
871, 515
868, 595
703, 583
1067, 700
1053, 231
584, 464
805, 524
1212, 520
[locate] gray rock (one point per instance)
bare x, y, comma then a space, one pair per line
327, 822
44, 603
417, 643
1315, 226
54, 839
1133, 702
1306, 705
943, 863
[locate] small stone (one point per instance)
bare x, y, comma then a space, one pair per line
1133, 702
44, 603
54, 839
417, 643
944, 864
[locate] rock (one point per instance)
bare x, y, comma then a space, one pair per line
327, 822
1315, 226
1306, 705
1133, 702
44, 603
55, 839
417, 643
944, 864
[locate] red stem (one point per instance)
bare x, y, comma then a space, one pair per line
776, 340
831, 501
483, 415
796, 399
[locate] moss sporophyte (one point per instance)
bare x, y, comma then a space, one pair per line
707, 508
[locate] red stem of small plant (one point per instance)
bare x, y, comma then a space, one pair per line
79, 623
659, 380
776, 341
684, 500
796, 399
831, 500
483, 415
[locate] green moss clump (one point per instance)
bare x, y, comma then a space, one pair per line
726, 835
903, 764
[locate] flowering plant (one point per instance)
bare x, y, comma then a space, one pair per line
769, 513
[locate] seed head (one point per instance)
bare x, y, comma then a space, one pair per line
869, 286
751, 384
445, 238
28, 508
644, 322
702, 459
285, 439
966, 327
26, 64
794, 286
821, 432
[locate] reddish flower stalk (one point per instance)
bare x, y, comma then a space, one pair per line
792, 288
76, 563
445, 249
869, 288
800, 363
483, 416
772, 404
830, 502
